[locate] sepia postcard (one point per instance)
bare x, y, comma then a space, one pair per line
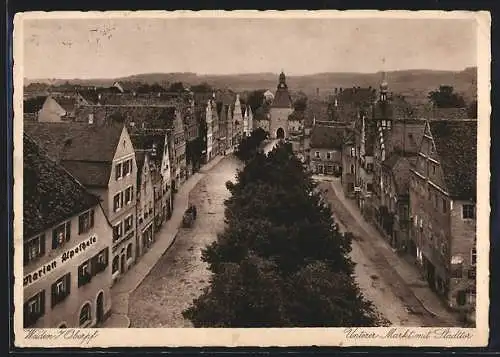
251, 178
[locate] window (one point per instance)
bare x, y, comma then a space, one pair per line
471, 297
61, 235
116, 265
34, 308
34, 248
468, 212
129, 251
117, 201
473, 257
85, 221
352, 169
456, 266
99, 262
433, 169
353, 152
369, 167
445, 205
316, 154
117, 231
369, 187
328, 155
118, 171
127, 168
84, 273
128, 223
85, 315
471, 273
61, 289
129, 195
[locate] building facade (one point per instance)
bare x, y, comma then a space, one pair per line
67, 246
102, 158
281, 108
443, 210
326, 149
145, 203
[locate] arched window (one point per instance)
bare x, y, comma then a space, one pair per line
85, 314
63, 325
129, 251
116, 264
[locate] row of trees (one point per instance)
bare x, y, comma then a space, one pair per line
281, 261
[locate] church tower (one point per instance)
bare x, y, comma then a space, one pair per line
281, 108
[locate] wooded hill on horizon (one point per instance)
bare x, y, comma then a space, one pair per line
411, 83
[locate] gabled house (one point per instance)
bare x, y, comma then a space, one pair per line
364, 135
102, 158
145, 203
443, 210
326, 149
237, 121
51, 111
209, 125
395, 152
154, 144
67, 244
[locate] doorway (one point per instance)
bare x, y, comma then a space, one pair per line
280, 133
100, 307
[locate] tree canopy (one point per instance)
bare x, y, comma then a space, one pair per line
255, 99
249, 145
445, 97
202, 88
300, 103
281, 261
176, 87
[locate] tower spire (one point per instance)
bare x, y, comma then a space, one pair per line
383, 85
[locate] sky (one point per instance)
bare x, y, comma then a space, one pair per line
111, 48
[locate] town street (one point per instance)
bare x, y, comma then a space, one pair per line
390, 282
180, 275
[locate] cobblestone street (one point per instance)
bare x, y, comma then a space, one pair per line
385, 279
180, 275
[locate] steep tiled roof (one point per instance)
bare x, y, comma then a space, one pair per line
76, 141
91, 96
90, 174
282, 99
457, 149
327, 137
50, 194
86, 151
142, 116
67, 103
